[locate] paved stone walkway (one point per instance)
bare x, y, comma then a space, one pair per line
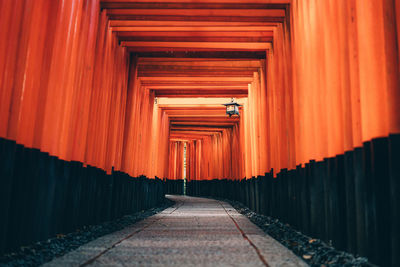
193, 232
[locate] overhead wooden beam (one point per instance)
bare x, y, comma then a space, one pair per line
200, 79
187, 67
159, 85
196, 45
201, 93
204, 1
210, 115
195, 34
196, 62
193, 135
194, 29
196, 131
165, 24
198, 18
192, 107
196, 87
205, 120
195, 74
185, 50
253, 13
183, 139
210, 54
191, 5
196, 39
201, 123
199, 127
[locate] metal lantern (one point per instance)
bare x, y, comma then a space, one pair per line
232, 108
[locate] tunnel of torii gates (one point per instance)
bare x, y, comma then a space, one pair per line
100, 99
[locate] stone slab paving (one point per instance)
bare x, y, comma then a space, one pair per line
193, 232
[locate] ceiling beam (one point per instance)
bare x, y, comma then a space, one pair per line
165, 24
191, 5
199, 79
200, 127
188, 67
194, 39
197, 93
197, 87
200, 62
206, 55
195, 34
203, 1
195, 74
200, 123
195, 29
207, 13
209, 45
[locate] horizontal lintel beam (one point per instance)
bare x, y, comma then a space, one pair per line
199, 12
212, 45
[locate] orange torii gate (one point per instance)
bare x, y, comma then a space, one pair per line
318, 80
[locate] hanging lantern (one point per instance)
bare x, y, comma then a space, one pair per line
232, 108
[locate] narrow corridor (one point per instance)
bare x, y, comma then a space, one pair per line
289, 107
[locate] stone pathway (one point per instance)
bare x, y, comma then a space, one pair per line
193, 232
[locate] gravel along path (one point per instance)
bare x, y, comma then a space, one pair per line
314, 251
44, 251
